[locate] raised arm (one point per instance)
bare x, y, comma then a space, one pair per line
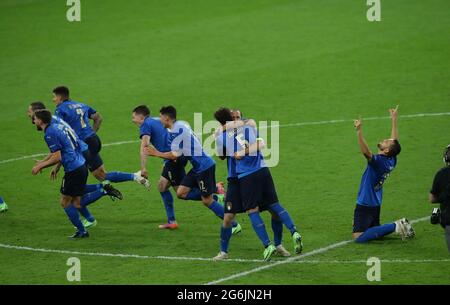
394, 117
361, 141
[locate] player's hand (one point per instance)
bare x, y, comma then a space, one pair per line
54, 174
144, 173
358, 124
394, 112
36, 170
239, 155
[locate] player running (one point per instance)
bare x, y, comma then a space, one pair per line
92, 192
3, 206
64, 146
200, 181
366, 221
78, 116
254, 185
153, 132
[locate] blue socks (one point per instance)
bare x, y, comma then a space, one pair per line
194, 194
277, 228
217, 208
376, 233
260, 228
284, 217
168, 204
1, 200
119, 177
225, 235
89, 188
92, 197
86, 214
74, 217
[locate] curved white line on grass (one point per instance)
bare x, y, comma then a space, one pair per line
293, 259
417, 115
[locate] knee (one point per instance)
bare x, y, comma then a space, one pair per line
181, 194
100, 173
228, 220
254, 210
162, 186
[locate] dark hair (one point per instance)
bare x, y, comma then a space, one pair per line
37, 106
223, 115
62, 91
447, 154
170, 111
44, 115
142, 109
394, 149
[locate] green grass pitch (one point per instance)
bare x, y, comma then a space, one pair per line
290, 61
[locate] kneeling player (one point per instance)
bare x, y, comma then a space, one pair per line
366, 222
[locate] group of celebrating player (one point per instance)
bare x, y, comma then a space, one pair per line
74, 144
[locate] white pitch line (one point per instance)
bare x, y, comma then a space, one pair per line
120, 255
184, 258
417, 115
293, 259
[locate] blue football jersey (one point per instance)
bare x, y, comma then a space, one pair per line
377, 171
60, 138
77, 116
159, 135
223, 150
82, 146
184, 142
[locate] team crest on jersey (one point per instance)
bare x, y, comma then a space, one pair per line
229, 206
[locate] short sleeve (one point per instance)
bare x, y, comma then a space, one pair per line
52, 143
60, 114
145, 130
91, 111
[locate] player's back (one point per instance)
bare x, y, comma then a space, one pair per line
82, 145
77, 115
245, 137
61, 138
183, 140
159, 135
225, 144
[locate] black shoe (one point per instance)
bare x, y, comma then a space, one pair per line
112, 192
79, 234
